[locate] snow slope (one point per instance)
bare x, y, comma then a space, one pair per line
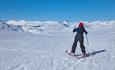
46, 51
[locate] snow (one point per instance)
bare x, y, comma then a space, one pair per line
35, 49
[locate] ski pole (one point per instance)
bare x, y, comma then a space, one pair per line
87, 40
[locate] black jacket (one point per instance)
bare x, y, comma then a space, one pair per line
80, 31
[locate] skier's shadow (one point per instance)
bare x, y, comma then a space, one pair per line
96, 52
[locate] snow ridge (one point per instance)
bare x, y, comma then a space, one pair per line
49, 26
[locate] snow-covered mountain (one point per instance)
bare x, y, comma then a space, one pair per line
49, 26
9, 27
34, 26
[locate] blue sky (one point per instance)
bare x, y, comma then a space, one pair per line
57, 9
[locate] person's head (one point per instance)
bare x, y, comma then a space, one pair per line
81, 24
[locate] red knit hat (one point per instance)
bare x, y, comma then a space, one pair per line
81, 24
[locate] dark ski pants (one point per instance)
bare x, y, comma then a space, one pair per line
81, 40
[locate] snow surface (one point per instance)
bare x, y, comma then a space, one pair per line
43, 48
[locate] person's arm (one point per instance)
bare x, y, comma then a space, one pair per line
85, 31
75, 29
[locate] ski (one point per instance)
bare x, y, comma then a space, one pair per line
78, 56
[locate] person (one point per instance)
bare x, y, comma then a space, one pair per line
79, 37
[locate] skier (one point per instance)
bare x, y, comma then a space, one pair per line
79, 37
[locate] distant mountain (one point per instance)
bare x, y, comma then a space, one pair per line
9, 27
40, 26
49, 26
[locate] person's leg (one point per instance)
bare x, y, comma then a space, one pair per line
74, 45
81, 40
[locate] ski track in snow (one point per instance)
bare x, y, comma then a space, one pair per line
27, 51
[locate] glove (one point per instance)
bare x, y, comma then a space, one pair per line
86, 33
